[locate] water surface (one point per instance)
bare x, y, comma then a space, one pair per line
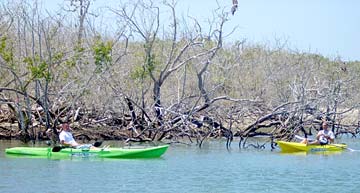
186, 169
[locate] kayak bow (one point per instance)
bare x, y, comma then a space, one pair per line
150, 152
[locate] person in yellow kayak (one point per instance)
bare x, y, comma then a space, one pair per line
67, 139
324, 136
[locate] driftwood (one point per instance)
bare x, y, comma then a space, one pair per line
195, 125
122, 127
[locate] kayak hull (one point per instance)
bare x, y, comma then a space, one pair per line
289, 147
117, 153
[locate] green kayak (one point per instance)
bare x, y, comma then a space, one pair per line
127, 153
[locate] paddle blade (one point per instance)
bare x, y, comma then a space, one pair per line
97, 143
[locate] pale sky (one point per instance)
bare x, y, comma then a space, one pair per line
327, 27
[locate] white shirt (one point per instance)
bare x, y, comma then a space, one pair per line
327, 133
67, 137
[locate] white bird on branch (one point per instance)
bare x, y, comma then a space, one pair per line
234, 7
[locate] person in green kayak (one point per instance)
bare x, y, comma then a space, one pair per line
67, 139
324, 136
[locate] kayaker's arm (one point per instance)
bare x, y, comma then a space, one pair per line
319, 135
330, 138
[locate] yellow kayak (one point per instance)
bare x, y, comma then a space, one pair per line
289, 147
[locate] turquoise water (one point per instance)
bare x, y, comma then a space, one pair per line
186, 169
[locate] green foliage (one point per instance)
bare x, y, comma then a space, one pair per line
29, 61
66, 75
5, 52
71, 62
150, 63
38, 68
57, 58
150, 58
138, 72
79, 49
149, 66
102, 54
